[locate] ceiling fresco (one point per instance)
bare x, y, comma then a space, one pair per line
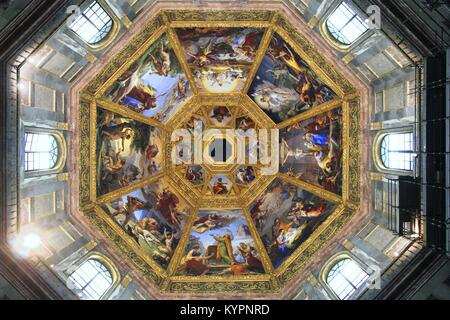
127, 151
285, 85
311, 150
285, 216
155, 85
155, 216
220, 58
174, 131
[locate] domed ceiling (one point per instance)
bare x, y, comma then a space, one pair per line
192, 205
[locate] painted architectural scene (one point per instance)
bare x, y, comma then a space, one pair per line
220, 58
154, 216
220, 243
127, 151
311, 150
154, 85
285, 216
285, 85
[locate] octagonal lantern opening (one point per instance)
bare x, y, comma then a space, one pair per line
220, 150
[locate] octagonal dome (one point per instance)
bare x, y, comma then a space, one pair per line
187, 81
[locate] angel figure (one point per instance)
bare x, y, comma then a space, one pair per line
162, 64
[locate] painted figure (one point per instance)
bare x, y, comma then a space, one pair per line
220, 114
193, 262
220, 58
245, 175
167, 203
224, 252
220, 187
148, 216
126, 150
248, 252
311, 150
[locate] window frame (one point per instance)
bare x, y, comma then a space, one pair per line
108, 39
385, 151
329, 37
106, 262
349, 282
32, 154
327, 267
61, 157
377, 154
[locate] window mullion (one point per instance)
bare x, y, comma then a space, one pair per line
346, 24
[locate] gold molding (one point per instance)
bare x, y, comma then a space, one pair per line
111, 106
319, 191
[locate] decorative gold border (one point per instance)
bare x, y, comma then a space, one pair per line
214, 17
84, 153
110, 106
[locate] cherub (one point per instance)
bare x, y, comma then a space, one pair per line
162, 65
220, 113
246, 123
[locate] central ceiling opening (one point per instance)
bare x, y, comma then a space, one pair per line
220, 150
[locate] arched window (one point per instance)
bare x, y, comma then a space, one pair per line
345, 277
345, 25
92, 279
397, 151
41, 151
93, 25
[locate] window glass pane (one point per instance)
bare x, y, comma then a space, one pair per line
93, 24
41, 151
92, 278
345, 277
397, 151
345, 25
